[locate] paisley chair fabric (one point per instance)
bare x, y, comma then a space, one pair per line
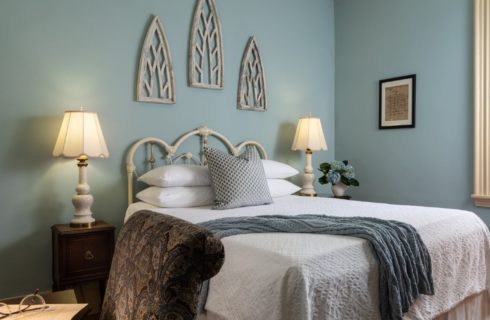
159, 265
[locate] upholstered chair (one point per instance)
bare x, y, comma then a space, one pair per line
159, 265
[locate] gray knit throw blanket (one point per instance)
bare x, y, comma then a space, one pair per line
405, 270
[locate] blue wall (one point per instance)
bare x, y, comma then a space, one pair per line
60, 54
377, 39
57, 55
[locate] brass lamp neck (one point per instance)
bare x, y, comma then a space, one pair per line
82, 161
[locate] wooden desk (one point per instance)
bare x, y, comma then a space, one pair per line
55, 312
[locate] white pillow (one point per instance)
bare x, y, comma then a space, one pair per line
177, 176
281, 188
177, 197
278, 170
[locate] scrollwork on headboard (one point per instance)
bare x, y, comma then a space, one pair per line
172, 155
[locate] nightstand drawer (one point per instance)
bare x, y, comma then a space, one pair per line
90, 254
81, 254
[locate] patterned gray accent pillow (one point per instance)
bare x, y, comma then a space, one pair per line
237, 181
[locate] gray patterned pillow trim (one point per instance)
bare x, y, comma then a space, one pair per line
237, 181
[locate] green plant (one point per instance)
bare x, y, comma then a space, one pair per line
338, 171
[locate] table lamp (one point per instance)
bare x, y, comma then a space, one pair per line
81, 137
309, 137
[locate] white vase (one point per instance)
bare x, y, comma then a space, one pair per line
339, 189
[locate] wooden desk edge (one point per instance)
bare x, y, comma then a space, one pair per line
82, 313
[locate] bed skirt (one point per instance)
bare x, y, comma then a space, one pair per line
475, 307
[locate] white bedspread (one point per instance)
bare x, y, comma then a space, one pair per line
305, 276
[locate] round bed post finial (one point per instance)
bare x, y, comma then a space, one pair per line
204, 131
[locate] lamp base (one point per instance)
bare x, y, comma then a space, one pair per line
306, 193
82, 201
308, 189
87, 225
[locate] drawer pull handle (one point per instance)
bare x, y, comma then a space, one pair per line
89, 255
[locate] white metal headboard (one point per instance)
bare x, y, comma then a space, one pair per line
171, 151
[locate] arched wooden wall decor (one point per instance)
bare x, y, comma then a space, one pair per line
155, 76
205, 67
251, 88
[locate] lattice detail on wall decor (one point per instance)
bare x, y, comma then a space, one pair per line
206, 48
156, 75
251, 88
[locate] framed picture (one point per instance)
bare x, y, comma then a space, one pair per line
397, 102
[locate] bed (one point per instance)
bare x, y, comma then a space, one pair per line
307, 276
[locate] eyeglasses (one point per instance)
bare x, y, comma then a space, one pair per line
30, 303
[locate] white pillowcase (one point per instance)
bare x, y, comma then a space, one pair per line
281, 188
177, 197
186, 197
278, 170
180, 175
177, 175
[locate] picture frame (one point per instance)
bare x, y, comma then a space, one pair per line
397, 102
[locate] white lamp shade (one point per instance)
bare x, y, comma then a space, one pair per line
80, 134
309, 135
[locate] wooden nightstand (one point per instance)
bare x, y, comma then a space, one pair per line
82, 261
342, 197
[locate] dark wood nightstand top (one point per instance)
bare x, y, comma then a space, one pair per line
66, 229
325, 195
343, 197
